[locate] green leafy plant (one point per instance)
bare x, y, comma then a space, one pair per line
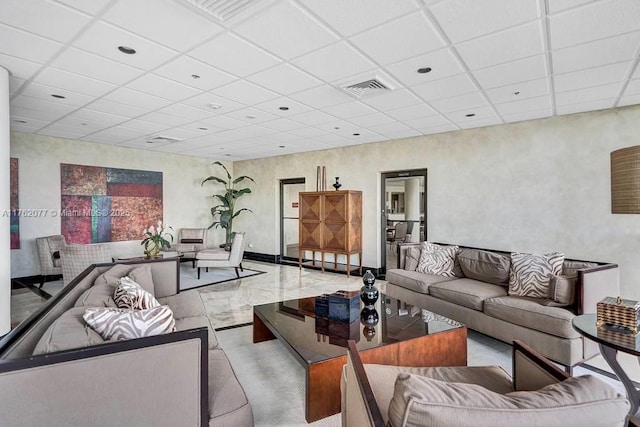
225, 212
155, 238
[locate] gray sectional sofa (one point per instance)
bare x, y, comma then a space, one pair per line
480, 299
55, 370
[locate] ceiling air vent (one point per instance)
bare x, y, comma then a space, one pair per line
367, 88
221, 10
163, 139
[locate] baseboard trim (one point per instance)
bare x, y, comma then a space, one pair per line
256, 256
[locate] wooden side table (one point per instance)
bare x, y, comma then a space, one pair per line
611, 342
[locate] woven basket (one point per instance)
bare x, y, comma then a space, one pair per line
619, 312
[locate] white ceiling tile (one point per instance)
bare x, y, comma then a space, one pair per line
159, 23
180, 133
251, 115
513, 72
283, 124
94, 66
19, 68
73, 82
308, 132
556, 6
349, 109
90, 116
498, 48
106, 106
411, 112
44, 92
591, 77
104, 39
465, 19
43, 18
371, 120
64, 128
488, 121
399, 39
636, 75
428, 122
340, 127
527, 115
606, 51
184, 68
583, 107
155, 85
334, 62
223, 122
59, 134
122, 133
469, 102
14, 42
311, 118
234, 55
392, 100
593, 21
322, 97
445, 88
273, 106
273, 29
245, 92
626, 100
166, 120
604, 92
531, 104
285, 79
472, 115
101, 139
370, 13
442, 63
633, 87
92, 7
15, 84
187, 112
22, 124
386, 128
205, 100
75, 122
137, 99
147, 127
399, 134
518, 91
201, 129
53, 108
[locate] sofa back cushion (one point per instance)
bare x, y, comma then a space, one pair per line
570, 268
485, 266
412, 258
577, 401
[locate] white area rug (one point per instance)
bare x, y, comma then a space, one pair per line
189, 276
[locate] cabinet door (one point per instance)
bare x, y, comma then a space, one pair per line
335, 225
310, 225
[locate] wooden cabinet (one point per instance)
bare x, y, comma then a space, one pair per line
331, 222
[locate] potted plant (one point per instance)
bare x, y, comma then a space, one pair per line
155, 238
225, 212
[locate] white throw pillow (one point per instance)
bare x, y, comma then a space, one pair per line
122, 324
129, 294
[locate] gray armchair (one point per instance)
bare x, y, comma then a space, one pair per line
219, 258
49, 254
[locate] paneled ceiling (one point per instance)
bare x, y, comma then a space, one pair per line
262, 78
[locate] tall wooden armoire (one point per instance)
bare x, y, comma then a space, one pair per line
331, 222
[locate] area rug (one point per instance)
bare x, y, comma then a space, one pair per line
189, 276
274, 380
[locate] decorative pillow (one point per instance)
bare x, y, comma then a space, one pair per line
530, 273
436, 259
121, 324
490, 267
191, 241
412, 258
577, 401
112, 275
129, 294
562, 290
142, 276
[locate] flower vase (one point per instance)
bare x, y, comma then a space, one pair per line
154, 250
369, 293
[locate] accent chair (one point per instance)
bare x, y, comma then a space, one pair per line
189, 242
219, 258
76, 258
49, 254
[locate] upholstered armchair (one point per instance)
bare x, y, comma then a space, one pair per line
189, 242
49, 254
539, 393
76, 258
219, 258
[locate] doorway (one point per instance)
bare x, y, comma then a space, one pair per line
289, 189
404, 212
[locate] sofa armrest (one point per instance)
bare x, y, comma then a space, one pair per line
402, 252
78, 387
359, 407
531, 370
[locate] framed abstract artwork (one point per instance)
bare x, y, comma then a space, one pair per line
102, 204
14, 203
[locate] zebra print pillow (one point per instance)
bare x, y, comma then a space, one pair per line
129, 294
122, 324
530, 274
436, 259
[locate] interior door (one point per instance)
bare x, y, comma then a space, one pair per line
289, 217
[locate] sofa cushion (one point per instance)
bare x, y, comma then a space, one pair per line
112, 275
413, 280
530, 273
123, 324
466, 292
227, 401
198, 322
562, 290
533, 314
97, 296
577, 401
142, 276
67, 332
485, 266
412, 258
129, 294
185, 304
436, 259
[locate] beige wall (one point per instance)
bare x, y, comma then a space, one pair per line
186, 203
534, 186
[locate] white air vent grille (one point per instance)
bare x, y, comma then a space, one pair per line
367, 88
221, 10
162, 138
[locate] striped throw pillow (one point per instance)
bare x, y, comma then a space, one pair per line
436, 259
129, 294
122, 324
530, 274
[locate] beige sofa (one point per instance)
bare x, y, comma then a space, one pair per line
538, 394
57, 371
480, 300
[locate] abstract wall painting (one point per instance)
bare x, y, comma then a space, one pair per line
14, 204
101, 204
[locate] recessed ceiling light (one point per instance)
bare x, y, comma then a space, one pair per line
356, 134
516, 92
83, 124
281, 146
149, 141
284, 108
20, 121
424, 70
251, 116
203, 128
470, 115
126, 49
58, 96
337, 127
195, 76
228, 155
215, 106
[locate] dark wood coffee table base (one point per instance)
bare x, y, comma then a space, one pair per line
322, 398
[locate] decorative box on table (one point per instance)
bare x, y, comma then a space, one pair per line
619, 312
344, 306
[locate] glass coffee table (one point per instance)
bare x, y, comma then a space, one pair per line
392, 333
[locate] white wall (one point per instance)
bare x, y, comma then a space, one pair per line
533, 186
186, 202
